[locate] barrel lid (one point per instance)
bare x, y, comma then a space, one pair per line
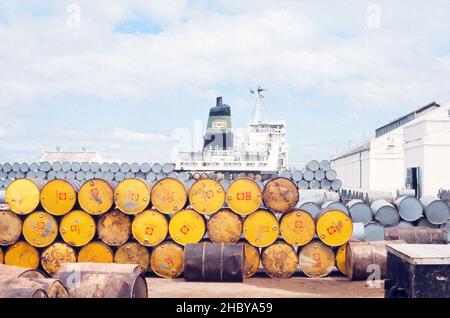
85, 166
297, 175
16, 167
94, 166
145, 167
134, 167
56, 166
421, 254
105, 167
77, 228
156, 167
308, 175
75, 166
114, 167
374, 232
437, 212
331, 175
24, 167
125, 167
36, 234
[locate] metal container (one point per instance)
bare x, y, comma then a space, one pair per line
308, 175
214, 262
34, 166
7, 167
409, 208
187, 226
79, 176
313, 165
16, 167
55, 255
105, 167
93, 284
314, 185
406, 193
114, 228
244, 196
75, 166
156, 167
16, 271
167, 168
151, 176
133, 253
11, 228
207, 196
374, 231
114, 167
95, 252
150, 227
297, 227
279, 260
416, 235
132, 195
167, 260
336, 184
134, 167
385, 213
358, 233
436, 210
145, 167
85, 166
22, 195
297, 175
325, 165
286, 174
52, 287
303, 185
424, 222
280, 195
316, 259
310, 207
331, 174
22, 293
334, 227
24, 167
405, 224
360, 211
224, 226
335, 205
66, 166
94, 167
125, 167
119, 176
58, 197
319, 175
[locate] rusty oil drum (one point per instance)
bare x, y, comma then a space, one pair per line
214, 262
416, 235
280, 195
22, 293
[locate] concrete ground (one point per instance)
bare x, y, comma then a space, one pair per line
261, 286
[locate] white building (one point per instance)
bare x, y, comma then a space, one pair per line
412, 151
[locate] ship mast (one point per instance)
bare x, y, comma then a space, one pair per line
258, 104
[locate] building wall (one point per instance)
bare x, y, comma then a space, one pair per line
427, 145
353, 170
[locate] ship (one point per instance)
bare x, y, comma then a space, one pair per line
263, 149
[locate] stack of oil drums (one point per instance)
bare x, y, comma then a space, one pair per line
138, 222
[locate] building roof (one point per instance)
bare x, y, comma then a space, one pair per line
359, 148
69, 156
405, 119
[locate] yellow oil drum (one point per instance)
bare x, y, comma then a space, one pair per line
279, 260
95, 252
341, 259
187, 226
224, 226
22, 195
96, 196
169, 195
55, 255
244, 196
206, 196
316, 259
1, 256
22, 254
40, 229
133, 253
114, 228
167, 260
150, 227
334, 227
252, 259
77, 228
261, 228
280, 195
132, 195
10, 228
58, 197
297, 227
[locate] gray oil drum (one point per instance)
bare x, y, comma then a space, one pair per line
335, 205
409, 208
385, 213
319, 175
374, 231
358, 232
297, 175
360, 211
313, 165
314, 184
325, 165
436, 210
303, 184
310, 207
308, 175
331, 174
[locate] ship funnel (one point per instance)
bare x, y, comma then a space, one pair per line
219, 101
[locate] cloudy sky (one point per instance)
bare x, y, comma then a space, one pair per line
130, 78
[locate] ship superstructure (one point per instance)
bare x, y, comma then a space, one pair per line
263, 149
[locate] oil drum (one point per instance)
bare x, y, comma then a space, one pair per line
169, 195
244, 196
280, 195
224, 226
206, 196
167, 260
279, 260
96, 196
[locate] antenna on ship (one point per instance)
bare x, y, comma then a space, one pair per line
259, 100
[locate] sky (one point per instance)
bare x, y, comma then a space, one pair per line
131, 78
